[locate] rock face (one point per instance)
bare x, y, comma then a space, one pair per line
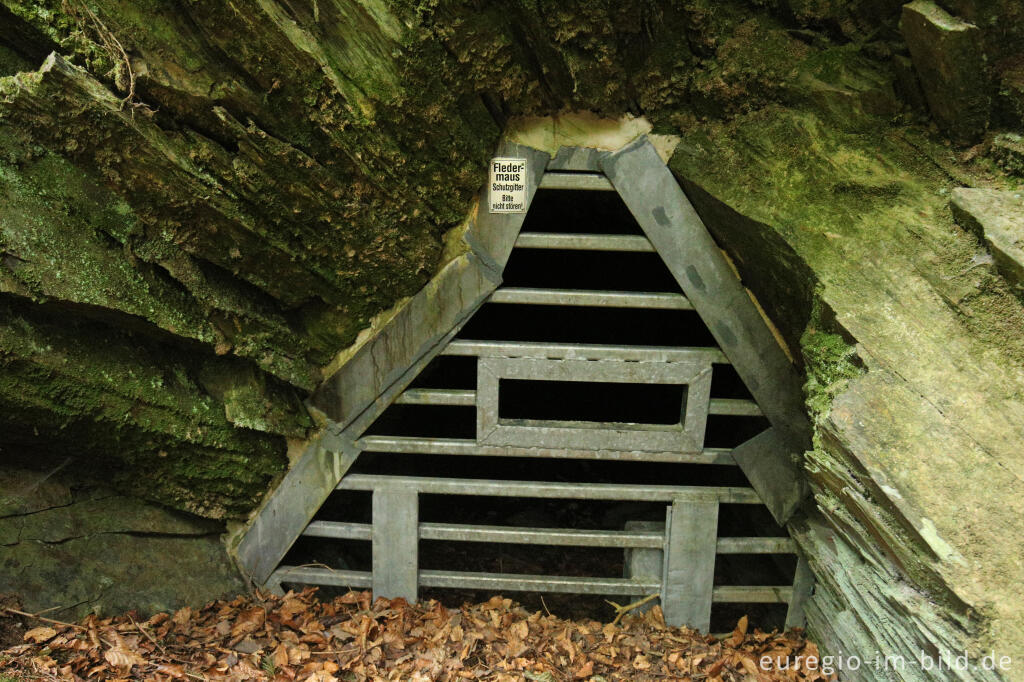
1008, 153
192, 229
83, 549
949, 58
997, 217
915, 387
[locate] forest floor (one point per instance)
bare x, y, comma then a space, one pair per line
299, 638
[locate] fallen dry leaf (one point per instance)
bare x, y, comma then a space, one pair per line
121, 657
739, 633
40, 635
352, 637
249, 621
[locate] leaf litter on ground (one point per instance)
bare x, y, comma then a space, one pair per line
299, 638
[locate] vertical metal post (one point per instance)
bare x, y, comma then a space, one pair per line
395, 542
689, 575
803, 584
644, 562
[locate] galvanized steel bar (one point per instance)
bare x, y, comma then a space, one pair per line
645, 563
689, 573
583, 351
755, 546
395, 540
496, 582
776, 474
468, 447
293, 503
314, 575
584, 242
311, 575
734, 407
339, 530
751, 594
599, 299
437, 396
541, 536
651, 539
552, 490
493, 235
583, 181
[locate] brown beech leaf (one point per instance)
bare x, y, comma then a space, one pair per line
40, 635
121, 657
175, 670
740, 633
586, 670
249, 621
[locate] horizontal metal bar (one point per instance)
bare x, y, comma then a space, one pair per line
412, 445
582, 297
584, 242
437, 396
497, 582
755, 594
591, 181
552, 490
339, 530
756, 546
583, 351
738, 408
542, 536
314, 575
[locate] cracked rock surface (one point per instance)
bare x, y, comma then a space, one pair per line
78, 549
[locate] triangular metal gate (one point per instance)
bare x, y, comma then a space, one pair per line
686, 545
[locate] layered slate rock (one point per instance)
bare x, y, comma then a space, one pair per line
915, 367
74, 549
949, 58
996, 217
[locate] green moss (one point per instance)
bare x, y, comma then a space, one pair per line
131, 410
11, 62
269, 208
829, 362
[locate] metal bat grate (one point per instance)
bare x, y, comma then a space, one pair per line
535, 354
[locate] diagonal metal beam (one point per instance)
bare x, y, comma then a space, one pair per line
774, 471
492, 235
293, 503
672, 225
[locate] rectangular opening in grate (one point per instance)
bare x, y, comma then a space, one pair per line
437, 421
755, 569
728, 431
447, 371
547, 469
763, 616
591, 401
573, 211
488, 557
598, 270
331, 553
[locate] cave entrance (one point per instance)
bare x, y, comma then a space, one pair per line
606, 422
